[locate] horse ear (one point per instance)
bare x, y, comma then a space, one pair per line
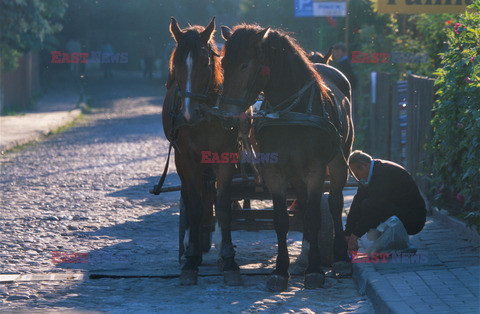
226, 32
175, 30
207, 34
328, 56
262, 34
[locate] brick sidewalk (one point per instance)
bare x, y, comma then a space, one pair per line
448, 280
54, 110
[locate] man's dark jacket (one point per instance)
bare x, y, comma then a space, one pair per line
391, 191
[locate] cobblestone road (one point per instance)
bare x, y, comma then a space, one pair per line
85, 191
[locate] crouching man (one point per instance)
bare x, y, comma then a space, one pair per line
388, 205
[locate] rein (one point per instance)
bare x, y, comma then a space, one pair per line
157, 189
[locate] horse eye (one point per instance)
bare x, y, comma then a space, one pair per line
244, 66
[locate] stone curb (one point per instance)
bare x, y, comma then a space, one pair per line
371, 284
383, 296
458, 225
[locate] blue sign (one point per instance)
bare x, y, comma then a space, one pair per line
303, 8
311, 8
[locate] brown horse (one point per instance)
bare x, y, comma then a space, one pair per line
193, 87
308, 125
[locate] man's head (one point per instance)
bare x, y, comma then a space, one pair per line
359, 163
339, 50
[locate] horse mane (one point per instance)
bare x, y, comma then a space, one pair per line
278, 48
191, 42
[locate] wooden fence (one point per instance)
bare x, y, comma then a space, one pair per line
393, 136
19, 86
421, 96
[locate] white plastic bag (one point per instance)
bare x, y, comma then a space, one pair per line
389, 235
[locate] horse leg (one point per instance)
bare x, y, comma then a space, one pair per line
183, 219
278, 281
339, 175
223, 210
193, 253
314, 274
298, 267
183, 225
208, 199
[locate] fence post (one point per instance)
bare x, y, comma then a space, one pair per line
395, 134
381, 116
421, 96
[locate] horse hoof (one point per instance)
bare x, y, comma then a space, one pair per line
314, 280
232, 278
188, 277
277, 283
342, 269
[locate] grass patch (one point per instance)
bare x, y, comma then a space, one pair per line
61, 129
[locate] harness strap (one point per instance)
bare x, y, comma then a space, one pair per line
192, 95
157, 189
310, 100
295, 97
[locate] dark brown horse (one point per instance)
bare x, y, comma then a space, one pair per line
308, 125
193, 87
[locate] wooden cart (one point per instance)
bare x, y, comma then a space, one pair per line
246, 218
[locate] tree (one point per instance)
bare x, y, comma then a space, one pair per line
24, 25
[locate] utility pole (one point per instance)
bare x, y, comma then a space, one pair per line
346, 24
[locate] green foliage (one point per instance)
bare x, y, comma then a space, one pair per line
416, 34
456, 141
25, 24
472, 218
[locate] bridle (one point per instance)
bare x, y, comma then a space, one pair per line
202, 98
246, 102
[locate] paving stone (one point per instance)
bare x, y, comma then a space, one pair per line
86, 190
446, 282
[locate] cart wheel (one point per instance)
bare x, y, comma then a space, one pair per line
206, 239
327, 234
181, 229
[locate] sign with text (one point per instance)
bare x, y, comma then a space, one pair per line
422, 6
311, 8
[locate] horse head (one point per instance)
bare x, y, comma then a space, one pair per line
243, 64
259, 59
195, 68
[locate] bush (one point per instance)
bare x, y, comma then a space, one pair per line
456, 122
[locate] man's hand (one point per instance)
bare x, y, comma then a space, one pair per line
352, 243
